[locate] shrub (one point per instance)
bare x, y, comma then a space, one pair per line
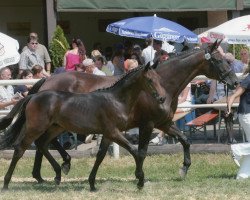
235, 49
58, 47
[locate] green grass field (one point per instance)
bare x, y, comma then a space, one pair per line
211, 176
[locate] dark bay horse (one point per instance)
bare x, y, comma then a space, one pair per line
107, 111
176, 73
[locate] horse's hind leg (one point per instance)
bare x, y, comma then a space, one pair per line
103, 148
36, 173
175, 132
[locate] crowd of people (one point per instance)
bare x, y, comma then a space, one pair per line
35, 63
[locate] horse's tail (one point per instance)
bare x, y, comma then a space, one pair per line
6, 121
13, 132
35, 88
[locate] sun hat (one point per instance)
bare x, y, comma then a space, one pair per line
87, 62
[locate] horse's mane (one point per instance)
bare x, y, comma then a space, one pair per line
122, 78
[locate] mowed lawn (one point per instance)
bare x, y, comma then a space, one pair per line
211, 176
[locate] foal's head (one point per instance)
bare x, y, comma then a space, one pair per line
152, 83
219, 68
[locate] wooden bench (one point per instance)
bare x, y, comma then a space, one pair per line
202, 121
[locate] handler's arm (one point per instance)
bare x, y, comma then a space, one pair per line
239, 91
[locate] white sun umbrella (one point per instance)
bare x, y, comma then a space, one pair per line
235, 31
8, 50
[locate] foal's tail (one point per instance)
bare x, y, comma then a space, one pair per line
6, 121
12, 134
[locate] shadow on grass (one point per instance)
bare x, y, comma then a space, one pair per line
76, 185
224, 176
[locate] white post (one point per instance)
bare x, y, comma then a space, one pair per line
116, 150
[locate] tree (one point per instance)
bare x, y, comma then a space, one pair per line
58, 47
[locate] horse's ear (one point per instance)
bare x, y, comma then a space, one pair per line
147, 67
155, 64
214, 46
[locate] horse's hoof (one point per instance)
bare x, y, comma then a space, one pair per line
57, 181
4, 189
93, 189
183, 172
140, 185
65, 168
39, 179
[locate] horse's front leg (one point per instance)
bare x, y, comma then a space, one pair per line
145, 131
175, 132
66, 157
119, 138
103, 148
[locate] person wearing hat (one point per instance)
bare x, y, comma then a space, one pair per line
91, 68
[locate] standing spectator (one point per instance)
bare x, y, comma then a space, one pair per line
118, 60
149, 53
42, 52
160, 54
91, 68
130, 64
7, 97
74, 56
30, 57
241, 151
24, 89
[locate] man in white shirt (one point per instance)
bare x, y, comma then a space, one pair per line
7, 98
149, 53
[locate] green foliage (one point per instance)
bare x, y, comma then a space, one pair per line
58, 47
235, 49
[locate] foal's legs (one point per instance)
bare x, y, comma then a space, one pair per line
103, 148
39, 156
42, 145
18, 153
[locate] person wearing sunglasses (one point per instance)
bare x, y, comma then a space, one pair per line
42, 51
30, 57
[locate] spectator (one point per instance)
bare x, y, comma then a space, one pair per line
149, 53
7, 97
74, 56
24, 89
241, 151
80, 67
160, 54
100, 63
118, 60
30, 57
37, 72
130, 64
91, 68
42, 51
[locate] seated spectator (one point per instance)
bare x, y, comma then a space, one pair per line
80, 67
91, 68
24, 89
7, 97
130, 64
100, 63
37, 72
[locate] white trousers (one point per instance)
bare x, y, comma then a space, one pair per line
242, 150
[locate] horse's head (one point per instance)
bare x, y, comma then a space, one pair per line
153, 83
219, 68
